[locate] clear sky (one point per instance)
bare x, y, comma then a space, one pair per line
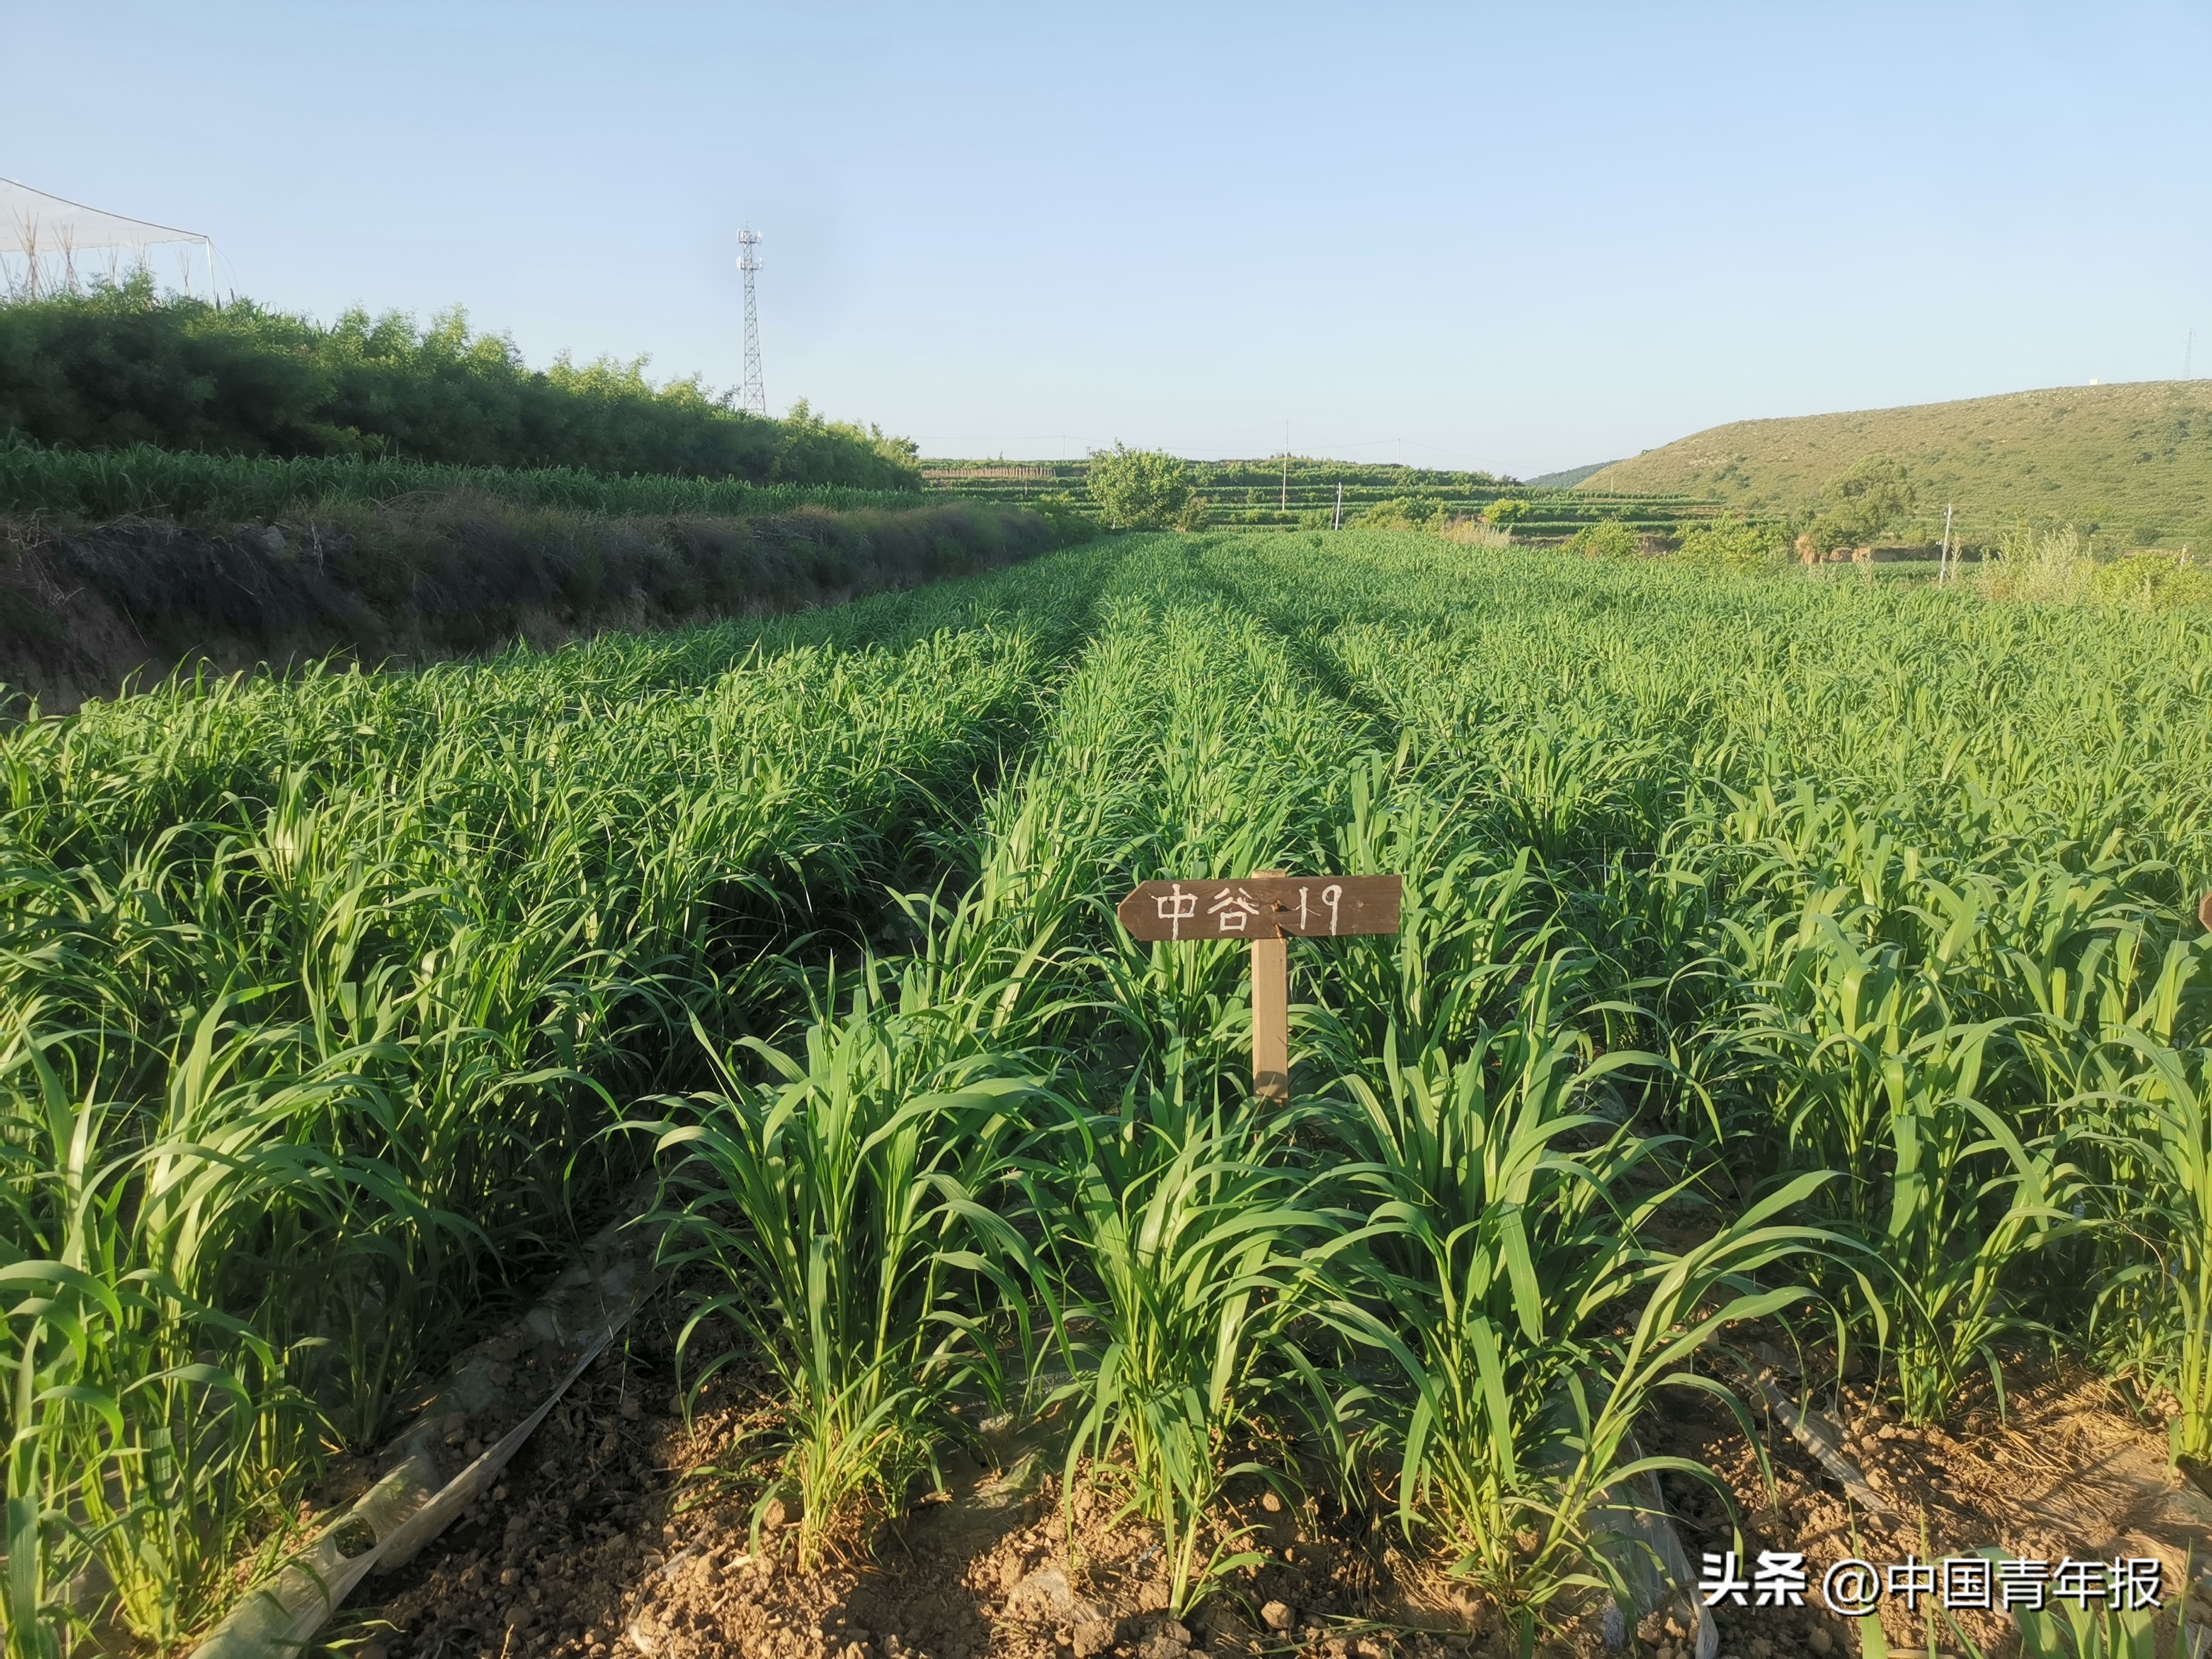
1514, 237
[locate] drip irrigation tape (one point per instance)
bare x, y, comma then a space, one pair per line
569, 1326
1813, 1429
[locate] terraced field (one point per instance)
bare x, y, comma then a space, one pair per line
1263, 493
1798, 980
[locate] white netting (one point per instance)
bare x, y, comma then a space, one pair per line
47, 243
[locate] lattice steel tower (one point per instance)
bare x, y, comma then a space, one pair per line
754, 400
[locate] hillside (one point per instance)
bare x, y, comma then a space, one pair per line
1568, 479
2132, 461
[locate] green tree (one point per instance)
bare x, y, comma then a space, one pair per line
1505, 512
1139, 489
1860, 506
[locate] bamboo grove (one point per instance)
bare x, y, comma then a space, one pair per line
1814, 958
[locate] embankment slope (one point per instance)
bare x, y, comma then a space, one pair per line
84, 613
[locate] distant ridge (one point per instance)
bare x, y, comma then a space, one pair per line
1570, 479
2133, 461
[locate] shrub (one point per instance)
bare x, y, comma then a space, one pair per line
1404, 513
1609, 539
2055, 566
1730, 542
2153, 576
1139, 489
1474, 532
123, 365
1069, 523
2046, 568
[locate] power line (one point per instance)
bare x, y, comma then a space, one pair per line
754, 401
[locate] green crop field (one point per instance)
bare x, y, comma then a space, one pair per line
2132, 462
1813, 964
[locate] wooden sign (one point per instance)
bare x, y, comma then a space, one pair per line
1266, 907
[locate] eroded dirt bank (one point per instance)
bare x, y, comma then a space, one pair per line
83, 612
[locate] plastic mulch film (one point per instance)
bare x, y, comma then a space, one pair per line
1637, 1537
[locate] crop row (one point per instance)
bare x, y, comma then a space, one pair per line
73, 485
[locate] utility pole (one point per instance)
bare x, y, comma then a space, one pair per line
1943, 563
1285, 503
1338, 524
2189, 355
754, 400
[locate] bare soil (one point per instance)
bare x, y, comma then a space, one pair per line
2065, 1470
621, 1532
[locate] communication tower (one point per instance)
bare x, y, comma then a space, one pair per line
754, 401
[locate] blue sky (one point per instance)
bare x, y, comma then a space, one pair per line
1519, 238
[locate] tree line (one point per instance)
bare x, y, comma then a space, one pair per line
124, 364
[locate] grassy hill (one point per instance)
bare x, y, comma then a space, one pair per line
2132, 461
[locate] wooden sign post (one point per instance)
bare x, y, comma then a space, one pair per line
1267, 907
